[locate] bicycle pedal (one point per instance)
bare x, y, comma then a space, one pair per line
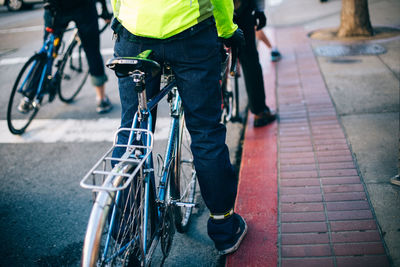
185, 204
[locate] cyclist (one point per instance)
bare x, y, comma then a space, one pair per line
57, 15
184, 34
248, 13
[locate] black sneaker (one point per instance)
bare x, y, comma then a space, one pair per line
25, 105
104, 106
264, 118
275, 55
52, 89
228, 248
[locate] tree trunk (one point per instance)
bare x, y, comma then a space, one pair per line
354, 19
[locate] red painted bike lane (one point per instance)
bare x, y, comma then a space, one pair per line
257, 199
299, 189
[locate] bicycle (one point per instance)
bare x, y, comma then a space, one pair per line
230, 86
36, 79
131, 215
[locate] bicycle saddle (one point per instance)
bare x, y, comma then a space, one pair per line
124, 66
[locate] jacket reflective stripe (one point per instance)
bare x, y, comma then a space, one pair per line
162, 19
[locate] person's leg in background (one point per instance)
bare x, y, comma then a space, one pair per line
275, 54
252, 71
87, 22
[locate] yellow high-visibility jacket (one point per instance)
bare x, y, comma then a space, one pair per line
162, 19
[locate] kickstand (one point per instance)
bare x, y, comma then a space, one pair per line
163, 260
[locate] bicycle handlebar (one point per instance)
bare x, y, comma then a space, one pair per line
51, 29
104, 27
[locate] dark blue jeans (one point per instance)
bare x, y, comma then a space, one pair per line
195, 60
85, 18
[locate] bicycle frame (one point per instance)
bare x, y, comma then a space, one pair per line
48, 50
143, 120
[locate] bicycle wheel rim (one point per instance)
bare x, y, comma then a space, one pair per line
183, 182
24, 89
236, 97
113, 236
73, 73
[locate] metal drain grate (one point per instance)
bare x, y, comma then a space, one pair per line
349, 50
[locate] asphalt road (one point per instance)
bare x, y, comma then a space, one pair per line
43, 211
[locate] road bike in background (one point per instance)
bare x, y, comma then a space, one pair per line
49, 72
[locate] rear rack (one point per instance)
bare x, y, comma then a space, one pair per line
102, 177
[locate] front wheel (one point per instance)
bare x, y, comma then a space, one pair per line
183, 180
73, 72
22, 107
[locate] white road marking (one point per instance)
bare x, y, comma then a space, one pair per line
20, 60
32, 29
71, 130
22, 29
11, 61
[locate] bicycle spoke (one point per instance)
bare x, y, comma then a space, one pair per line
184, 183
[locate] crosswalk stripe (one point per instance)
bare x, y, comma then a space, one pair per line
72, 130
22, 29
20, 60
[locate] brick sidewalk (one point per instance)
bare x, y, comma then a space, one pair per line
299, 189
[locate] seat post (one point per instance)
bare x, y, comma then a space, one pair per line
139, 80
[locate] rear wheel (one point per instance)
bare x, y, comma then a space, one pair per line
22, 107
183, 180
73, 72
235, 108
227, 96
115, 231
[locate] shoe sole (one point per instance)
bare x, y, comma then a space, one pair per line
264, 123
236, 246
275, 59
101, 111
23, 111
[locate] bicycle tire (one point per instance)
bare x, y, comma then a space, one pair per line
127, 226
73, 72
183, 178
25, 87
235, 102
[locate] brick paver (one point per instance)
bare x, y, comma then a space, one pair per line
344, 225
305, 168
